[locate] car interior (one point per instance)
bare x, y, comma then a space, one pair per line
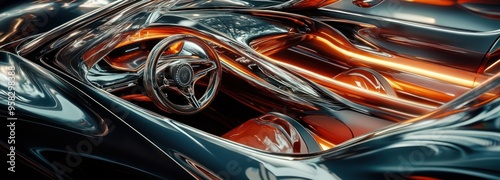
256, 97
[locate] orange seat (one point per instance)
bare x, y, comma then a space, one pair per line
274, 132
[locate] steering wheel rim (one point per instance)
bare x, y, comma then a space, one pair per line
175, 72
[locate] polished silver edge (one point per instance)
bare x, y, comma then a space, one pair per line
410, 23
68, 26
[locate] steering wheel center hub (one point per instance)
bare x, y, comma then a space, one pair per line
183, 75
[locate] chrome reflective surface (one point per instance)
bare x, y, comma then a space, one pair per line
25, 18
254, 4
45, 98
254, 89
459, 139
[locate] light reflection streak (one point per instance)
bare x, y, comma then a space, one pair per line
414, 17
391, 64
338, 84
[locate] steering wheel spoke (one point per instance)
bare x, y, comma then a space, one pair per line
203, 71
166, 84
190, 96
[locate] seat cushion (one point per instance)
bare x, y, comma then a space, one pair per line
271, 132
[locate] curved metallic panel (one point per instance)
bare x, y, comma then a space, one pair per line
448, 43
465, 15
254, 4
32, 45
458, 140
24, 18
491, 64
42, 96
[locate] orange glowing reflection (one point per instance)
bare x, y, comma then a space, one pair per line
136, 97
362, 96
321, 55
323, 144
395, 64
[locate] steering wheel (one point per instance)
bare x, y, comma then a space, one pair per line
172, 70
